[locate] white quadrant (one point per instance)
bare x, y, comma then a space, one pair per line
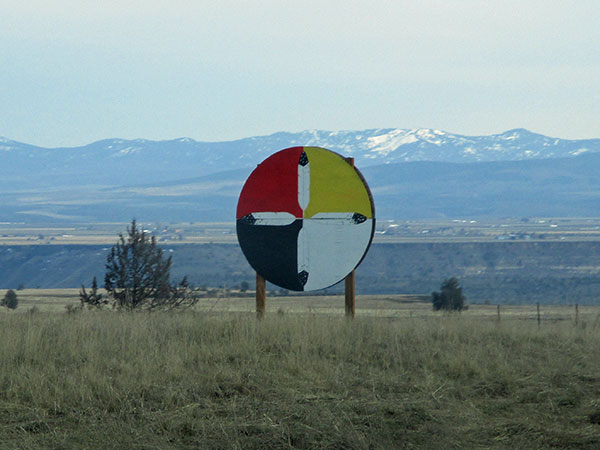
330, 248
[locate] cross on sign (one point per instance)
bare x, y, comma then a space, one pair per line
305, 218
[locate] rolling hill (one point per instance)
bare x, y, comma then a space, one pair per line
413, 174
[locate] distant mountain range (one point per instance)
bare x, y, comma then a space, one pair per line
416, 173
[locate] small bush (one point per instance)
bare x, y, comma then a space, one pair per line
93, 299
10, 300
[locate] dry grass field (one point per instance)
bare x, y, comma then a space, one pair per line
387, 306
398, 376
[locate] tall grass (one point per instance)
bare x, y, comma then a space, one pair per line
108, 380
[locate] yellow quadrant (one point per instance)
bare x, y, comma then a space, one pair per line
334, 185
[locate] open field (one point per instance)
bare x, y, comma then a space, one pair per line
398, 376
388, 231
384, 306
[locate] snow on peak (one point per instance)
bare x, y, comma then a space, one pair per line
579, 151
431, 136
6, 147
425, 133
127, 151
388, 142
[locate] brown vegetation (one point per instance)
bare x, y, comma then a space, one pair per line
299, 380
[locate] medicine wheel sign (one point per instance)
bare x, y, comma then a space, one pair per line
305, 218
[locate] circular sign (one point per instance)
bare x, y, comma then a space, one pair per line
305, 218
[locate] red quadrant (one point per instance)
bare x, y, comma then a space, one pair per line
273, 186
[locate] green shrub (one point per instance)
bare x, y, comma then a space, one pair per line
10, 300
450, 296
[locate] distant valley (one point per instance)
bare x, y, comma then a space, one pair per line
413, 174
498, 272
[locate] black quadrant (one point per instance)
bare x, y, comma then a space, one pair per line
272, 250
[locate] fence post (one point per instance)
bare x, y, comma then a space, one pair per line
261, 296
539, 319
576, 313
498, 312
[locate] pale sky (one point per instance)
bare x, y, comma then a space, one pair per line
75, 71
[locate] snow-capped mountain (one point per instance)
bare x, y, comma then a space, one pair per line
378, 146
113, 162
412, 173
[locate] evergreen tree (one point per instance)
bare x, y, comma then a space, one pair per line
138, 276
450, 297
136, 272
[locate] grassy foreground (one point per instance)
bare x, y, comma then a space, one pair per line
109, 380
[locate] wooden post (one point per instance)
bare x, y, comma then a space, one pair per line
498, 312
539, 319
350, 295
576, 313
261, 296
350, 281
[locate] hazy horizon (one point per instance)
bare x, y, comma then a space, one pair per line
184, 138
75, 72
